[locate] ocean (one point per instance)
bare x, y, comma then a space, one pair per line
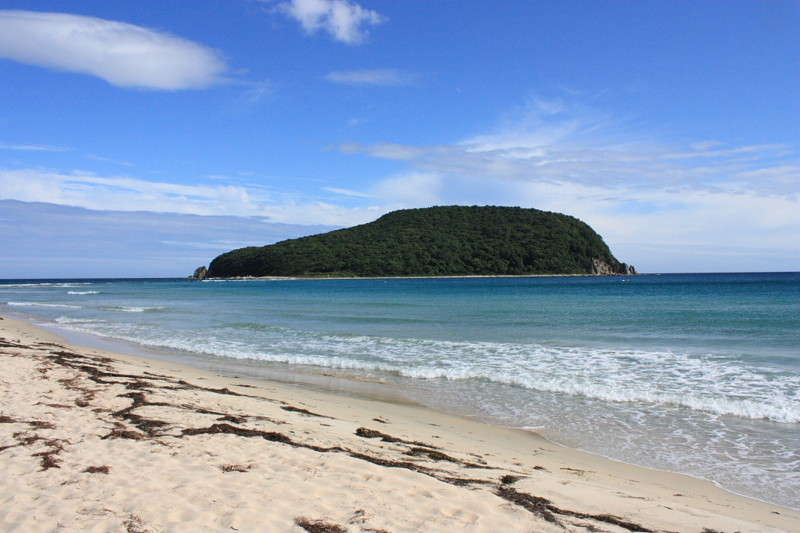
690, 373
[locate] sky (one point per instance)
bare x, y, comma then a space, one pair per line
143, 138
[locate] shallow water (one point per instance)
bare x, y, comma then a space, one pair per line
697, 374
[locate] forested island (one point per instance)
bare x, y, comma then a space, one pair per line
434, 241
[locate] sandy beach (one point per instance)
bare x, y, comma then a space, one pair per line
97, 441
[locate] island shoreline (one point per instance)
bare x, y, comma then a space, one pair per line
476, 276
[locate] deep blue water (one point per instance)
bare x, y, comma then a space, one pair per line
695, 373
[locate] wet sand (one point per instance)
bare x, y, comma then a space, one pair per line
92, 440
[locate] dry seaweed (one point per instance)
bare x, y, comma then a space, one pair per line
374, 434
535, 504
8, 344
391, 463
231, 418
134, 525
544, 508
215, 429
432, 454
123, 434
303, 411
463, 482
235, 468
608, 519
318, 526
48, 457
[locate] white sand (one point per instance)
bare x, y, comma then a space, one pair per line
95, 441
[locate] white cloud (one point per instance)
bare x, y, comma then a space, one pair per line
347, 192
127, 194
647, 198
45, 241
565, 153
122, 54
413, 189
31, 148
343, 20
109, 160
699, 151
124, 193
398, 152
383, 77
323, 213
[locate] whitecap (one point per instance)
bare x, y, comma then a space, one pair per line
37, 304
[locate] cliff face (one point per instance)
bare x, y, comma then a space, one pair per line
436, 241
601, 268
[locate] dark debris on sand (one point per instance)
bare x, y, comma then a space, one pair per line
293, 409
131, 425
319, 526
105, 469
544, 508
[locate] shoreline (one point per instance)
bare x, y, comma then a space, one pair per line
170, 436
325, 381
465, 276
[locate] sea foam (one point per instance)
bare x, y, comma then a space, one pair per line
695, 381
39, 304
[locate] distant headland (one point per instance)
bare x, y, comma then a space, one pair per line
433, 242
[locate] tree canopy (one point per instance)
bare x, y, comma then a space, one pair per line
434, 241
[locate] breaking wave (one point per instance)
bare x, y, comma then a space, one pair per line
706, 383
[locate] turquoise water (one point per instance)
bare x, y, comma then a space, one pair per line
698, 374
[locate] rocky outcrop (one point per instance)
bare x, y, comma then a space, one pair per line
601, 268
199, 273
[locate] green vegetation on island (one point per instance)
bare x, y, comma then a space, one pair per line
434, 241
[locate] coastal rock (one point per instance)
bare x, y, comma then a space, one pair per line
601, 268
199, 273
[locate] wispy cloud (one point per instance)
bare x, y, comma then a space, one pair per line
125, 193
345, 21
380, 77
569, 148
399, 191
109, 160
347, 192
254, 94
638, 190
45, 241
411, 189
122, 54
32, 148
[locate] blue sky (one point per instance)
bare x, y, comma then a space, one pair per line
144, 138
